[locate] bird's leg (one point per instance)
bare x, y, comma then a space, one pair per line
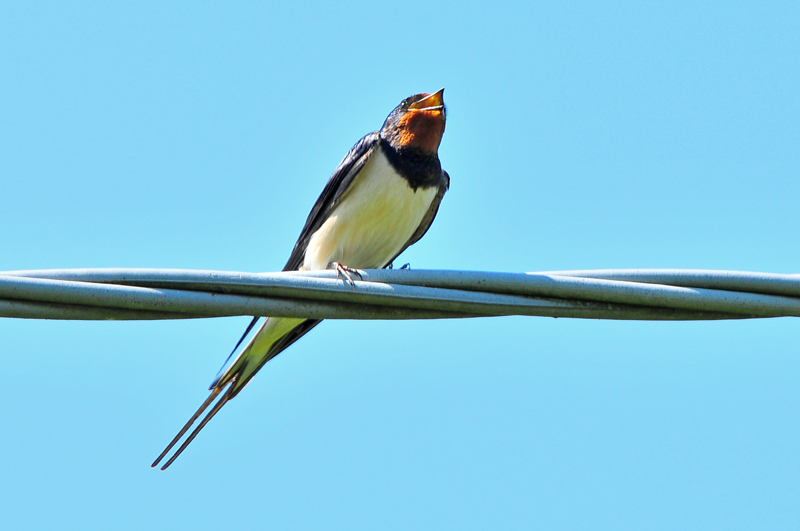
406, 266
346, 271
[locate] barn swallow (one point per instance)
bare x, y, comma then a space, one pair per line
381, 199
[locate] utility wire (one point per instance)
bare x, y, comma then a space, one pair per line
143, 294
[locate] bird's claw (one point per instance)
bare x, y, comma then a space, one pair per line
406, 266
346, 272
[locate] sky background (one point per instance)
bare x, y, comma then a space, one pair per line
188, 135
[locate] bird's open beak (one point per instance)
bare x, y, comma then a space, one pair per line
434, 102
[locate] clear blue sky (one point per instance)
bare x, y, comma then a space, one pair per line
579, 136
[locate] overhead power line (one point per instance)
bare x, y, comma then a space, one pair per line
142, 294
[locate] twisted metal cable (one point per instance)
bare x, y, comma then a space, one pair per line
141, 294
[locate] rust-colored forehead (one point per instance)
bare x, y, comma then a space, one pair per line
411, 100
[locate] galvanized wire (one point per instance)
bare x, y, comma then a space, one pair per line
136, 294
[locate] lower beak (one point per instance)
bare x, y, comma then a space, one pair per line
429, 103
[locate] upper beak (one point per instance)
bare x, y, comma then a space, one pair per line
429, 103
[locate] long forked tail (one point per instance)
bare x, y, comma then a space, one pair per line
274, 336
222, 401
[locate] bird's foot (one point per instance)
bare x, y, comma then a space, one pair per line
406, 266
346, 272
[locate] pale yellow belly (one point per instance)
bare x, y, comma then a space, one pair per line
374, 220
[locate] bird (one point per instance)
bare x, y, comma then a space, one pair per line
381, 199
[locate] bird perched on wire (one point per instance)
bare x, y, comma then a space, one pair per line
381, 199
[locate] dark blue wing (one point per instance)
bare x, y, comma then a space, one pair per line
342, 178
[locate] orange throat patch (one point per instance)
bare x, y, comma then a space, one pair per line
422, 129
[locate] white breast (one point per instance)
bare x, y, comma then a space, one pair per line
374, 219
